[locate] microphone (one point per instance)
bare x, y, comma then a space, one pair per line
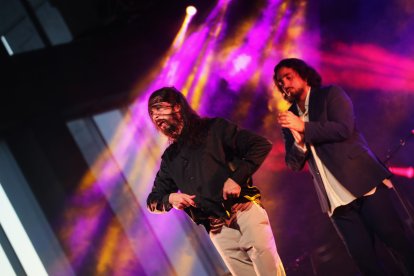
284, 91
287, 93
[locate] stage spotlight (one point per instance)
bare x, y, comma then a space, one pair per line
191, 10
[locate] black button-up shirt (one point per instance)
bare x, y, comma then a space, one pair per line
202, 170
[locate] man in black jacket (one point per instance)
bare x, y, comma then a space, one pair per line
351, 183
206, 171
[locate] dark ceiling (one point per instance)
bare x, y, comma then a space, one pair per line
114, 43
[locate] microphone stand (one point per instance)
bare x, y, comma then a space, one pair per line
410, 220
389, 156
392, 152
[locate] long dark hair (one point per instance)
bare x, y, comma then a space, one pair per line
305, 71
194, 125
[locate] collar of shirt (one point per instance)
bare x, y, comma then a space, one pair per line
306, 113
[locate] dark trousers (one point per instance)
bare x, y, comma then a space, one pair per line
365, 217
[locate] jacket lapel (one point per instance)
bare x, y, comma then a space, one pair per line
315, 104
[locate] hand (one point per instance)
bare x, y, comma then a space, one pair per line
289, 120
299, 138
388, 183
231, 189
180, 201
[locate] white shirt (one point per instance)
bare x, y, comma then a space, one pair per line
337, 194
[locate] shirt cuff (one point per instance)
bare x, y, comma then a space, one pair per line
303, 148
166, 203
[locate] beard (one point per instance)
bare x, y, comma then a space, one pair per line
172, 126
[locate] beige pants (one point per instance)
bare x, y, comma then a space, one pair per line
248, 247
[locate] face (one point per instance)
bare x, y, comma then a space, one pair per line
292, 86
167, 119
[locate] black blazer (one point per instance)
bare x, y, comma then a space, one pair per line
340, 146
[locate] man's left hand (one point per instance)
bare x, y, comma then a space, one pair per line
289, 120
231, 189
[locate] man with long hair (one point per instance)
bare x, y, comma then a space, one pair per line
207, 172
353, 186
